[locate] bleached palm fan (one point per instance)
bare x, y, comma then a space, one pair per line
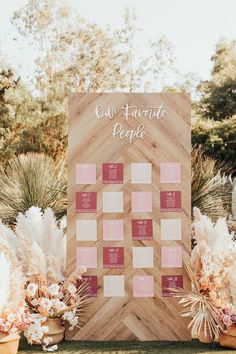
42, 248
199, 308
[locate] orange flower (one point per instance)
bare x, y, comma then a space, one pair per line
217, 302
217, 282
212, 295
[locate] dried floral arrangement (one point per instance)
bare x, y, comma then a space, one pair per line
13, 312
211, 301
53, 300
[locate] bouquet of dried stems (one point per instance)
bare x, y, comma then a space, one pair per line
52, 298
13, 312
212, 270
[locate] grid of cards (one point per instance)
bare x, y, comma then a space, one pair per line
113, 257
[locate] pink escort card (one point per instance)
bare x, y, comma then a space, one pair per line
86, 202
113, 230
112, 173
171, 229
85, 173
141, 202
171, 281
171, 257
171, 201
143, 286
92, 282
170, 172
86, 256
142, 229
113, 257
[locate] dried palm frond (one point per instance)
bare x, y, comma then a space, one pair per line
211, 187
200, 308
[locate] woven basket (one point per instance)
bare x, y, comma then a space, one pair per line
204, 335
228, 340
9, 343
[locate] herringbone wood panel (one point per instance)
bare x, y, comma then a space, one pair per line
166, 140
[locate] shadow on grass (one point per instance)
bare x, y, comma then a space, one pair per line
71, 347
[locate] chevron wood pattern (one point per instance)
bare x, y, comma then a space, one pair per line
166, 140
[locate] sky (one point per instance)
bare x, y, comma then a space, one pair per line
193, 26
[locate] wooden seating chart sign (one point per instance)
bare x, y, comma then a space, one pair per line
129, 196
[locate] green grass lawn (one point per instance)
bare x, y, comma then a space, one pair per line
130, 347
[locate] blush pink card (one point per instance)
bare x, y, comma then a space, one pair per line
85, 173
171, 257
113, 230
112, 173
92, 282
113, 257
170, 172
86, 202
142, 229
171, 281
143, 286
141, 202
170, 201
86, 256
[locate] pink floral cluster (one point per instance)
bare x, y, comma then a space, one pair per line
14, 321
214, 288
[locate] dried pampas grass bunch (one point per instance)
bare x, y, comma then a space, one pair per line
42, 244
11, 275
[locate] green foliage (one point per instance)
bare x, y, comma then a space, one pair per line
31, 180
211, 189
218, 99
218, 138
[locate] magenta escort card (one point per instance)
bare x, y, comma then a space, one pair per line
113, 230
92, 283
143, 286
113, 173
171, 257
141, 202
85, 173
170, 172
113, 257
86, 202
170, 201
142, 229
171, 281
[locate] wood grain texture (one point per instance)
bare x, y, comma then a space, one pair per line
166, 140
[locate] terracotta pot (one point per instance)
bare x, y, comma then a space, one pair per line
204, 335
228, 339
55, 331
9, 343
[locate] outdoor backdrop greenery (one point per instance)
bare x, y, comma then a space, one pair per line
73, 54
